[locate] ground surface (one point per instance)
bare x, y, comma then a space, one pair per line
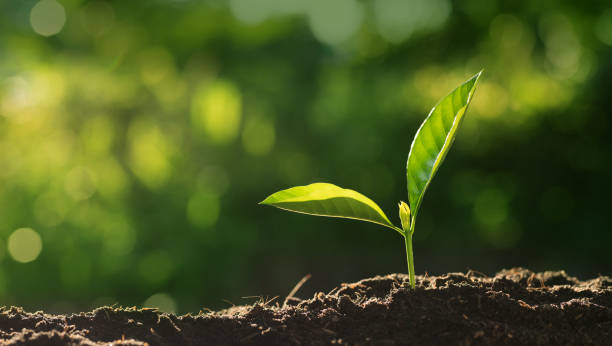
514, 307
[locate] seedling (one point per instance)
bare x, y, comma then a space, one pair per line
427, 152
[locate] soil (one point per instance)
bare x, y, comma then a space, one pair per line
515, 306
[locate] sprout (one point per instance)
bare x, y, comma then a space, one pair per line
427, 152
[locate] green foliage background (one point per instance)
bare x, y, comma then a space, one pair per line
136, 138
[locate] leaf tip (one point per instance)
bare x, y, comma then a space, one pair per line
265, 201
473, 82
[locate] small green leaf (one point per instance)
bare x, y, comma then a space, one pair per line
329, 200
433, 140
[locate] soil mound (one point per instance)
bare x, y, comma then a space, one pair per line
515, 306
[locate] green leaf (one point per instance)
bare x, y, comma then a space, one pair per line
329, 200
433, 140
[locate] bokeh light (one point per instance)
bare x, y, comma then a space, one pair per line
603, 27
397, 20
51, 207
80, 183
24, 245
161, 301
334, 22
214, 179
150, 153
251, 13
563, 48
118, 236
203, 209
491, 207
47, 17
217, 111
97, 17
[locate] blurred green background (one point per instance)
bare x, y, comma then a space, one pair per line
136, 138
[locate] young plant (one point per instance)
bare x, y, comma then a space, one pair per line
427, 152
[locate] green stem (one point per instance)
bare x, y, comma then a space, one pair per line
409, 256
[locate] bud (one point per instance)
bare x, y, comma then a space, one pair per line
404, 214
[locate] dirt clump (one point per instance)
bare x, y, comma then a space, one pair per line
515, 306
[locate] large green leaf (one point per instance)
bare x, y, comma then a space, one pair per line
329, 200
433, 140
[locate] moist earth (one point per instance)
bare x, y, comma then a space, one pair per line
515, 306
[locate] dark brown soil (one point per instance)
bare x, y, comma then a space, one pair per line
515, 306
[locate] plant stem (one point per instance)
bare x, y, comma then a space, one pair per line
409, 256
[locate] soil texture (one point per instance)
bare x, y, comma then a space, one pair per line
515, 306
